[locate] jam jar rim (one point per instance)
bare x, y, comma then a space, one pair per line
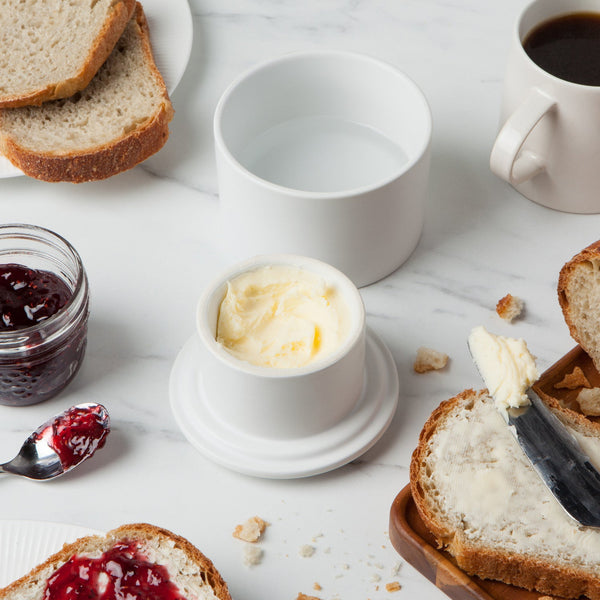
57, 326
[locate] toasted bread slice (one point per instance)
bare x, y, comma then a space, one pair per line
579, 298
118, 121
53, 49
480, 497
193, 573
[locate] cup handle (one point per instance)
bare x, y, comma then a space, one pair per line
505, 160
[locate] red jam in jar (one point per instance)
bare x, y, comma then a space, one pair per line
29, 296
119, 573
44, 304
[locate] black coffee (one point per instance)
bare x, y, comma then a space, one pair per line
568, 47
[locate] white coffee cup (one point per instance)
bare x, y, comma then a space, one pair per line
324, 154
548, 147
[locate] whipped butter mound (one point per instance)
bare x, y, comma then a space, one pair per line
281, 316
506, 365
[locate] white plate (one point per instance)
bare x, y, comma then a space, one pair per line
171, 34
25, 544
281, 459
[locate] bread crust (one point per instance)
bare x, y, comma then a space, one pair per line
109, 159
97, 164
444, 535
134, 532
103, 45
488, 563
210, 573
574, 419
590, 253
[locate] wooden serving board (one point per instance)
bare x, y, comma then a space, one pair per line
577, 357
416, 545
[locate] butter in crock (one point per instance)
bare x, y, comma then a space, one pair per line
282, 316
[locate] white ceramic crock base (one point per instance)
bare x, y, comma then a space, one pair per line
286, 459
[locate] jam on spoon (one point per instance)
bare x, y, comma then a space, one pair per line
76, 433
121, 572
61, 443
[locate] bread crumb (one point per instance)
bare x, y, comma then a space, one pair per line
394, 586
589, 401
306, 551
573, 380
509, 307
251, 530
302, 596
317, 586
429, 360
546, 598
252, 555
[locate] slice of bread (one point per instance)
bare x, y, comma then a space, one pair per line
53, 49
118, 121
193, 573
579, 298
480, 497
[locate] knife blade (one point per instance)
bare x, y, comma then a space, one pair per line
553, 451
558, 459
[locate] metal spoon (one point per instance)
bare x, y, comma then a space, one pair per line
61, 443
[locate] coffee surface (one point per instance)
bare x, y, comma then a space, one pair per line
568, 47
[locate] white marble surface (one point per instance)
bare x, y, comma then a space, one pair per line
148, 241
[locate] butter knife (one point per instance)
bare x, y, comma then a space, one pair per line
557, 458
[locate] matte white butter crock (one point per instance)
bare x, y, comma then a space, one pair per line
366, 232
281, 403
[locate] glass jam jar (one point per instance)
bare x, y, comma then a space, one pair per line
44, 307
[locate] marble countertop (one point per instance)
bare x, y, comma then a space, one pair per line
148, 241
